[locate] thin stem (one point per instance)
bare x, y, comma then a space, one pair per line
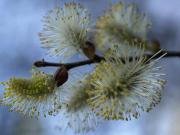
97, 59
171, 53
68, 66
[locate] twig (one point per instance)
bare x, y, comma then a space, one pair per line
97, 59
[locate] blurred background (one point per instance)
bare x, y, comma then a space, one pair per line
19, 47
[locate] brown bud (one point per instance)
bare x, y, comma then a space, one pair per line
61, 76
89, 50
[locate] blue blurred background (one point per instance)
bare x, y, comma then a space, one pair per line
20, 22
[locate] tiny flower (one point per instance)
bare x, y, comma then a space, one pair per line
35, 96
125, 85
122, 24
78, 116
65, 30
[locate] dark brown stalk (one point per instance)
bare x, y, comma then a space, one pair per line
97, 59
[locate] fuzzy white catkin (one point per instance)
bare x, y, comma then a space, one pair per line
36, 96
121, 24
124, 88
78, 116
65, 30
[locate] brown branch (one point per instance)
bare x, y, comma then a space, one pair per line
97, 59
170, 54
68, 66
